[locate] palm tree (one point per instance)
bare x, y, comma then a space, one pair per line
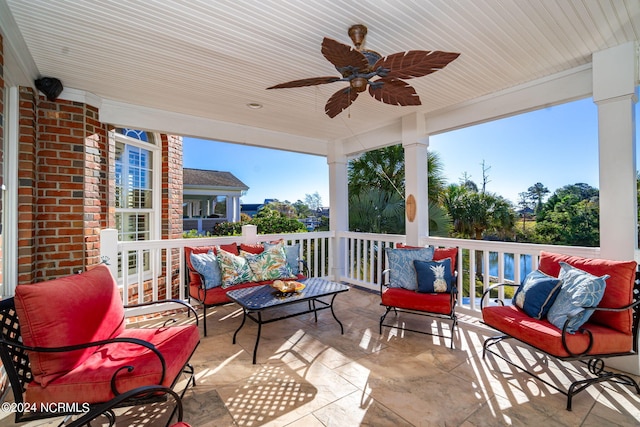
384, 170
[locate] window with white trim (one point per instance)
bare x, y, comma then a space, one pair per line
136, 191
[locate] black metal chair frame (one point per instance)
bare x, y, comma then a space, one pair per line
450, 316
15, 359
595, 363
153, 393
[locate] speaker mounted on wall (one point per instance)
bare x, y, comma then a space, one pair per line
50, 86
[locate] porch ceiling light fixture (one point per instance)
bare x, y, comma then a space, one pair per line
254, 105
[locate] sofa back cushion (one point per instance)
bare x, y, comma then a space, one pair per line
619, 286
71, 310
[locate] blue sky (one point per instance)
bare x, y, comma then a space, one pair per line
556, 146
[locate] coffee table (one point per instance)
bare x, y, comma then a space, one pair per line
257, 300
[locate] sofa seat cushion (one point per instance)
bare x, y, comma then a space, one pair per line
68, 311
439, 303
91, 381
541, 334
217, 296
618, 292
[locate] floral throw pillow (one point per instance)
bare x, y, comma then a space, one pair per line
234, 268
271, 264
292, 252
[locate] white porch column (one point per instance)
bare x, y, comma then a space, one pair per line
232, 211
233, 208
415, 143
339, 204
614, 85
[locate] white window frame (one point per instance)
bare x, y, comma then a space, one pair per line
155, 212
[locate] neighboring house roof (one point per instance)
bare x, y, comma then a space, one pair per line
212, 179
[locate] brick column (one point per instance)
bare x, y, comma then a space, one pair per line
172, 197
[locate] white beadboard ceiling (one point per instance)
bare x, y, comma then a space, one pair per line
209, 58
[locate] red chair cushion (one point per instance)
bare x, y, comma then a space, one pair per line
444, 253
540, 333
91, 381
67, 311
411, 300
618, 291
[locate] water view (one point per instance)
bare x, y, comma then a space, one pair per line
525, 265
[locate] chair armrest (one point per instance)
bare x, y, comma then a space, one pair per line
485, 294
136, 393
166, 301
99, 343
384, 279
304, 267
632, 306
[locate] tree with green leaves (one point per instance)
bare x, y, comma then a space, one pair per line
537, 192
314, 201
475, 213
571, 216
376, 187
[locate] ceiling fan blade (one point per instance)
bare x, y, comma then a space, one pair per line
415, 63
342, 55
339, 101
306, 82
394, 92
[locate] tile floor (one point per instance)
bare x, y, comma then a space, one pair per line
309, 375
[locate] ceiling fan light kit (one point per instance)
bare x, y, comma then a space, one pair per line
364, 69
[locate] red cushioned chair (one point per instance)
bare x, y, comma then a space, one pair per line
438, 305
64, 340
611, 331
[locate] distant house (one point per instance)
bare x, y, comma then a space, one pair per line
252, 209
210, 197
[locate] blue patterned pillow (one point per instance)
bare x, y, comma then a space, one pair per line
537, 294
434, 276
293, 255
402, 272
579, 289
207, 266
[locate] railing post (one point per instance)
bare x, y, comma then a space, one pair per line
109, 249
249, 234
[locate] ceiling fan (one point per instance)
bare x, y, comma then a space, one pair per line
359, 66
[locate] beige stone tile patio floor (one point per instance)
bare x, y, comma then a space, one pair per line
308, 375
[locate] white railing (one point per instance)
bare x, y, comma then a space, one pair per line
364, 261
157, 269
361, 261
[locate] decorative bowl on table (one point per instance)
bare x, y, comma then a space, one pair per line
287, 286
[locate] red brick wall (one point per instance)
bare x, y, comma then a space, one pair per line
66, 187
68, 199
